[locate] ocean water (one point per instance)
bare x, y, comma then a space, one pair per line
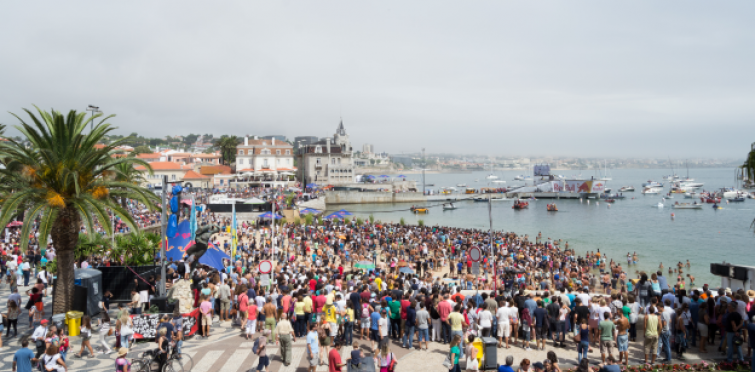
630, 225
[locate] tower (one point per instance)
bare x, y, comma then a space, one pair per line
342, 139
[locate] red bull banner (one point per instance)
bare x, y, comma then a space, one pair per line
592, 186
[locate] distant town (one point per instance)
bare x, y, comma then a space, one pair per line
205, 160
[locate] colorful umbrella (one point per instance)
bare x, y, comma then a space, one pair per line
406, 270
15, 224
364, 265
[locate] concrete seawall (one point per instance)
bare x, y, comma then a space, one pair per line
352, 197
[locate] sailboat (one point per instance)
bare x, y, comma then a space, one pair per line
605, 173
491, 176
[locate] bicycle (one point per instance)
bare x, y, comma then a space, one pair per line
187, 363
148, 362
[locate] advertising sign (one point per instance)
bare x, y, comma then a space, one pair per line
592, 186
145, 325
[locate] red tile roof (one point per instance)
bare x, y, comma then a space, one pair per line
150, 156
163, 166
191, 175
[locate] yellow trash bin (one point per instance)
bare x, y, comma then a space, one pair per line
74, 322
480, 346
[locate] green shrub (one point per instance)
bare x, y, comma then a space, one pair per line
421, 223
401, 221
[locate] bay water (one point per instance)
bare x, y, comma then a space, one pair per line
630, 225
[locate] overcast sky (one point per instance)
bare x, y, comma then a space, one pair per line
573, 78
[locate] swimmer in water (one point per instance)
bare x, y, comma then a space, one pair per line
691, 279
660, 267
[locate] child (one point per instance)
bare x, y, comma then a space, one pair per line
63, 343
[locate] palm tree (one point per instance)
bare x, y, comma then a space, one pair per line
91, 244
748, 168
65, 181
227, 146
125, 172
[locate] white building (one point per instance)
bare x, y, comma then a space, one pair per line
265, 159
327, 162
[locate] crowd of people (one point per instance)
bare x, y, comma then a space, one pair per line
377, 286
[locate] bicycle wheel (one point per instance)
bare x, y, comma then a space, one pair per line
173, 365
138, 365
186, 362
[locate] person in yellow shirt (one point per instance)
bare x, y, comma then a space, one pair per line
379, 283
457, 322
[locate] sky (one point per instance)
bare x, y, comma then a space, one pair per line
503, 78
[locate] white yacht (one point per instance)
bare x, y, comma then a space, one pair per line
627, 189
652, 190
519, 177
651, 183
492, 177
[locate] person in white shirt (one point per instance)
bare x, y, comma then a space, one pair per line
504, 327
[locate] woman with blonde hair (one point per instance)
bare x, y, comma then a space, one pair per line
86, 336
125, 327
385, 357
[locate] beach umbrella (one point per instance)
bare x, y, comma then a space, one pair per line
15, 224
339, 214
405, 270
400, 176
344, 212
383, 176
364, 265
309, 211
269, 215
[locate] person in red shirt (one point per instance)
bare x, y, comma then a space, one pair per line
334, 358
340, 269
404, 304
312, 284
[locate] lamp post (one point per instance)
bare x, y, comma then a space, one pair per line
93, 109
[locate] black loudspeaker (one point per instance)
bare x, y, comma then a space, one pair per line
80, 299
740, 273
161, 303
720, 270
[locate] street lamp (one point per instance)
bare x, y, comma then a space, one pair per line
93, 109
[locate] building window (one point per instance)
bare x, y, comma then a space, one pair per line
277, 152
265, 164
332, 161
172, 177
318, 161
288, 152
318, 150
241, 152
265, 152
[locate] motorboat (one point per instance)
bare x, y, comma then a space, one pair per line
614, 196
627, 189
694, 205
610, 200
519, 177
737, 200
710, 200
732, 193
652, 190
477, 180
691, 184
491, 177
520, 204
480, 199
651, 183
449, 207
499, 198
690, 195
420, 210
461, 185
659, 205
552, 208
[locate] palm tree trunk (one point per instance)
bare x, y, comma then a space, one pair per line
65, 235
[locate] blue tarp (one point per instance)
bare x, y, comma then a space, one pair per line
214, 258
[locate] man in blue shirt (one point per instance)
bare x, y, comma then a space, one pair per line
23, 358
662, 282
507, 367
312, 347
374, 332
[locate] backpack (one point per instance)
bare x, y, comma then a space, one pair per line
365, 311
256, 346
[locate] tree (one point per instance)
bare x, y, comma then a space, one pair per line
125, 172
91, 244
141, 150
227, 146
65, 181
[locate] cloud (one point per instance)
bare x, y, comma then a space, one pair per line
588, 78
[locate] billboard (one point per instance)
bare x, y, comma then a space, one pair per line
592, 186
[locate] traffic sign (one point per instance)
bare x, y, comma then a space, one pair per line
475, 268
265, 267
475, 254
265, 280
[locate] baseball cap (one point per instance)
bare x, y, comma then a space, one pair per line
538, 365
44, 321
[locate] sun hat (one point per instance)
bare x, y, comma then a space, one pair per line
751, 294
122, 352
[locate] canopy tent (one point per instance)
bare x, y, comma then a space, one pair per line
254, 201
400, 176
269, 215
309, 211
384, 176
339, 214
312, 186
